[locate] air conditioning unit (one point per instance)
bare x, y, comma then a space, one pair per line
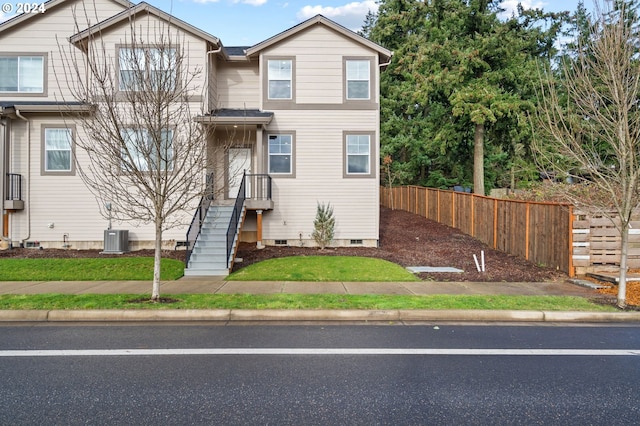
116, 241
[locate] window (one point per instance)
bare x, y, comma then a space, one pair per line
280, 154
147, 68
280, 78
22, 74
144, 152
358, 75
359, 155
57, 150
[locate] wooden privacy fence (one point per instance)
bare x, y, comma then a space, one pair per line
539, 232
596, 241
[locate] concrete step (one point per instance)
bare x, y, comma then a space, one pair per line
206, 272
212, 250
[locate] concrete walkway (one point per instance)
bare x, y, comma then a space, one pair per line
196, 285
201, 285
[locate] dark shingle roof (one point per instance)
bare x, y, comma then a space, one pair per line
235, 50
240, 113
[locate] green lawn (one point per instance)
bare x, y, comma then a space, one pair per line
301, 301
323, 268
88, 269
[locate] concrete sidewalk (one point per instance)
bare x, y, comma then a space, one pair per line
209, 285
226, 316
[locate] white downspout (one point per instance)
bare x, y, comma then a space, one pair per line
4, 132
22, 117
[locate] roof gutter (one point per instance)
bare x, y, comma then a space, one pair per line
386, 63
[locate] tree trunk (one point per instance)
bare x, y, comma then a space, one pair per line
512, 182
622, 277
155, 292
478, 160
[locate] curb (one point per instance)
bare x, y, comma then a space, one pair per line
225, 315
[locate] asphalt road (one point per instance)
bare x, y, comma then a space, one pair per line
307, 375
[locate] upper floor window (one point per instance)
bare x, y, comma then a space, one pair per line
144, 152
147, 69
280, 72
22, 74
57, 150
358, 79
280, 154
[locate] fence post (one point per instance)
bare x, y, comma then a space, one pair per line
453, 209
572, 272
473, 215
426, 202
495, 224
526, 238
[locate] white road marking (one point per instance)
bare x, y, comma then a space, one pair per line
318, 351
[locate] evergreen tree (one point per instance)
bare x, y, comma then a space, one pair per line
458, 89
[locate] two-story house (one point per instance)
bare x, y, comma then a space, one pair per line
302, 109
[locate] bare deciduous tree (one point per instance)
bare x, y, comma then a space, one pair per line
592, 135
140, 150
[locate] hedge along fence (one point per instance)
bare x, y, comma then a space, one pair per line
539, 232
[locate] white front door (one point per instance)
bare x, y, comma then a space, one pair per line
239, 162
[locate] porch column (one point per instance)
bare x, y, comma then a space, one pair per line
259, 230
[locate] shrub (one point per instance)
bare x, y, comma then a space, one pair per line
323, 225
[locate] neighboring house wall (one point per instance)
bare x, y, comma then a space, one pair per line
59, 203
45, 33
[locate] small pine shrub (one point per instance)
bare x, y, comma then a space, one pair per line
323, 225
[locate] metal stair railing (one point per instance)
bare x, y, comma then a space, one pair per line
260, 186
198, 217
235, 217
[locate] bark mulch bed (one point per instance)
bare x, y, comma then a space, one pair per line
411, 240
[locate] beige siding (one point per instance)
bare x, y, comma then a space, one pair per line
58, 205
212, 82
63, 201
319, 54
42, 34
193, 48
319, 178
238, 85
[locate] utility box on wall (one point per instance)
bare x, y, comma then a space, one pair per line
116, 241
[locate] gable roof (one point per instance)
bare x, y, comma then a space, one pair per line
383, 53
23, 17
143, 7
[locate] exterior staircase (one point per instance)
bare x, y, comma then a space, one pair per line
209, 256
